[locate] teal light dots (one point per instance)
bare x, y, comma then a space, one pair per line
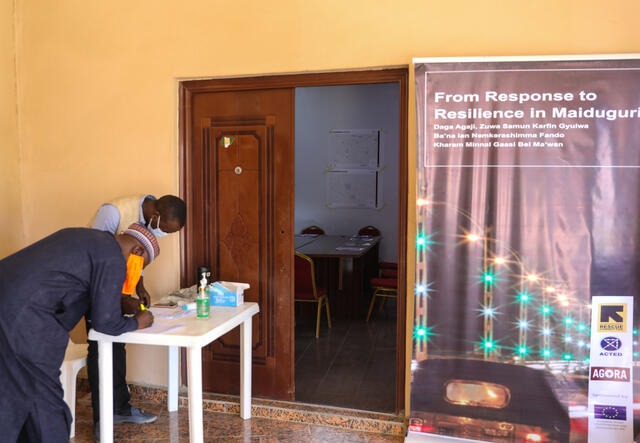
425, 241
523, 350
489, 345
423, 333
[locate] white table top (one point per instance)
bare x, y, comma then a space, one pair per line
195, 332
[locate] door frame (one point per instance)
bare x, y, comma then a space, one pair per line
391, 75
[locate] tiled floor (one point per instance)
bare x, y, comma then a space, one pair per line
218, 427
351, 365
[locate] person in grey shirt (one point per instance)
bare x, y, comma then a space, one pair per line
161, 216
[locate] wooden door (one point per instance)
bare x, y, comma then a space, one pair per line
240, 224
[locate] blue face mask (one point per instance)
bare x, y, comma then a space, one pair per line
156, 231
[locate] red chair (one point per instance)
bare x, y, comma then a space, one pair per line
371, 231
382, 287
388, 273
313, 229
306, 290
385, 286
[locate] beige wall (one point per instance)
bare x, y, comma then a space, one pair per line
98, 80
11, 226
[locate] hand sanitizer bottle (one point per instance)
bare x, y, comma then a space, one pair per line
202, 301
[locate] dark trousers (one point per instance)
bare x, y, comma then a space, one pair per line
48, 421
121, 395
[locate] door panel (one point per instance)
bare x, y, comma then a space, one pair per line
240, 224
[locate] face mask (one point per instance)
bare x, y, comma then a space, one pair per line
135, 263
156, 231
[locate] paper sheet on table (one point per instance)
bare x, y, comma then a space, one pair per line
161, 328
349, 248
170, 314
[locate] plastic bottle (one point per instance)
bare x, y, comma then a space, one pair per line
202, 301
189, 306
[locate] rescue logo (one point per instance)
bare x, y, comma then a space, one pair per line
610, 346
612, 317
610, 412
610, 374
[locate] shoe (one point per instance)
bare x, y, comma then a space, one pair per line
135, 416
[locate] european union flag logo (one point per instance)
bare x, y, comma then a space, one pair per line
610, 412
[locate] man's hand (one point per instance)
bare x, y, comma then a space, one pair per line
145, 319
143, 295
129, 305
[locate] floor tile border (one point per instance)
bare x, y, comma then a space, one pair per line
330, 416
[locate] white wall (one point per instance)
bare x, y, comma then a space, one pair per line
320, 109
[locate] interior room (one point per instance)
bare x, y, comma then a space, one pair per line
351, 364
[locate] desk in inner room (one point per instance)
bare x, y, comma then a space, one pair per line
301, 240
363, 251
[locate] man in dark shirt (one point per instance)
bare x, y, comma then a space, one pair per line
45, 289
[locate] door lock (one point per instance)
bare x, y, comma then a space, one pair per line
238, 170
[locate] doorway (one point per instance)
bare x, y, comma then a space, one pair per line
237, 177
346, 183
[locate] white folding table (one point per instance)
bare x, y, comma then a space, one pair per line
194, 334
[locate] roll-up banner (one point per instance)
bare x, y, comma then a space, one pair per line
528, 222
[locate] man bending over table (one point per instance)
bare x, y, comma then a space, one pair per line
45, 289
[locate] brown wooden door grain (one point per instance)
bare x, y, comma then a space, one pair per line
240, 225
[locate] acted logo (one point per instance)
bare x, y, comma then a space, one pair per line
610, 374
612, 317
610, 347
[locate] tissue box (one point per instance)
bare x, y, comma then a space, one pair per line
227, 293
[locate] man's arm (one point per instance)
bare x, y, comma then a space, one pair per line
106, 289
142, 293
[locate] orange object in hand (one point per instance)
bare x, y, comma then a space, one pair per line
135, 263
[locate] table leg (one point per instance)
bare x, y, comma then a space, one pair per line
194, 361
340, 274
357, 291
172, 382
105, 371
245, 368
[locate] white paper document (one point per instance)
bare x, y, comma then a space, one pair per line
161, 328
171, 313
349, 248
355, 148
